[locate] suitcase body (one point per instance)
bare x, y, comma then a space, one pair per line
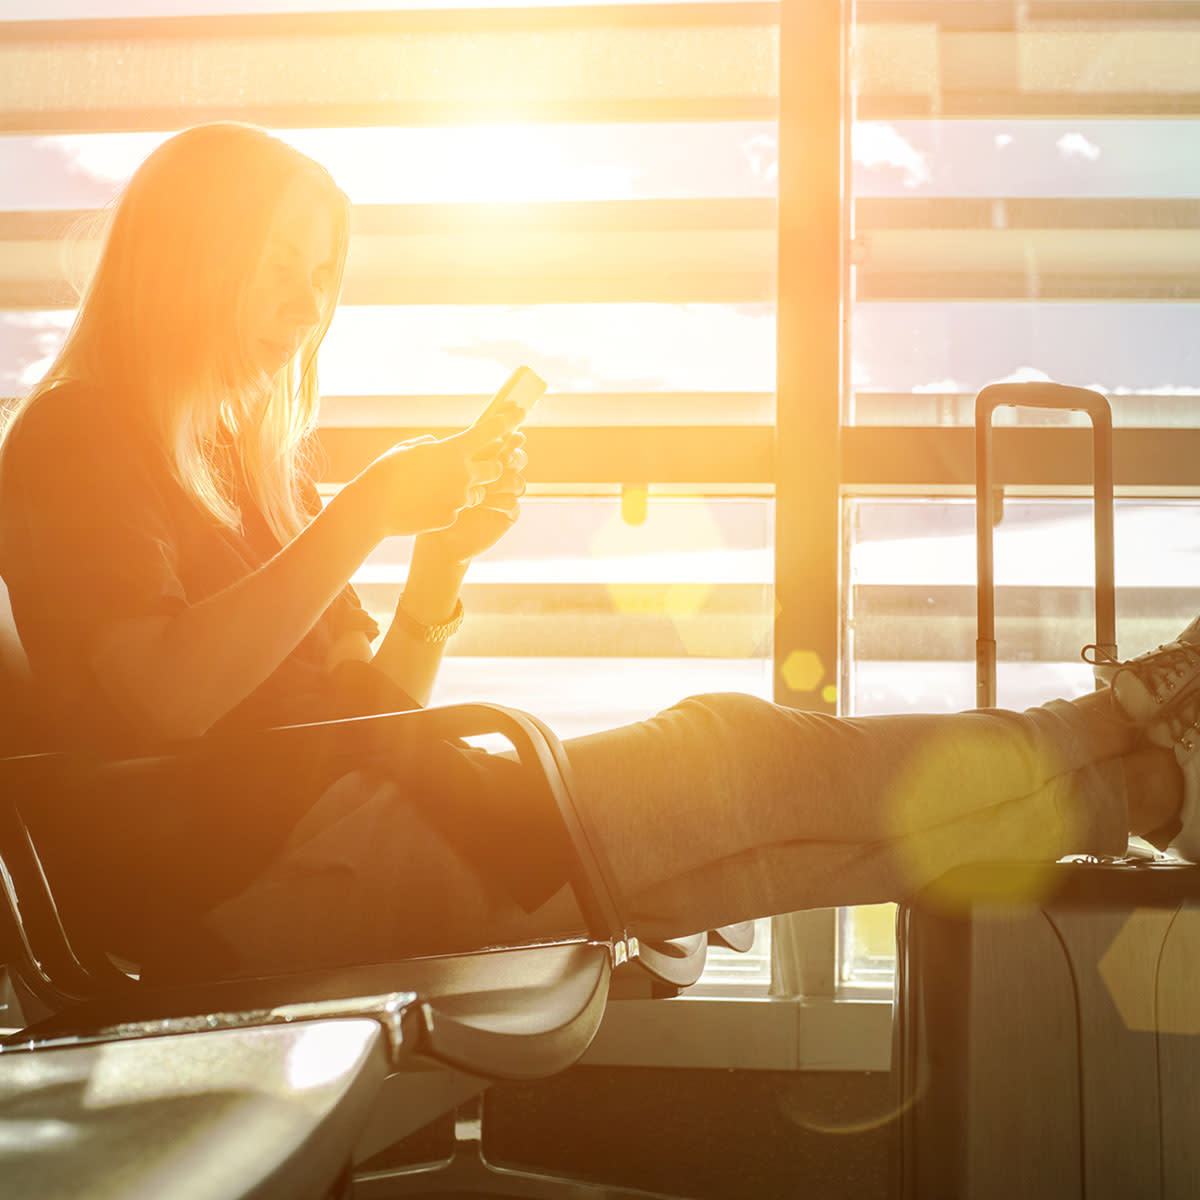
1045, 1036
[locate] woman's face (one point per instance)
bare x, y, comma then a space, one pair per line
292, 287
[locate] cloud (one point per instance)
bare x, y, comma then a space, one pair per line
1024, 375
111, 157
873, 144
1075, 145
762, 152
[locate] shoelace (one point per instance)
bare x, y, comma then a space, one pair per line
1158, 669
1171, 658
1100, 656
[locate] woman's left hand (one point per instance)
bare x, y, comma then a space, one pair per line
493, 512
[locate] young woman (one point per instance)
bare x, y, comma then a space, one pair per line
172, 572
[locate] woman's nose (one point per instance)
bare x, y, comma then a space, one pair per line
303, 307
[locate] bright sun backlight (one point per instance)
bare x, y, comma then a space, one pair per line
507, 163
472, 164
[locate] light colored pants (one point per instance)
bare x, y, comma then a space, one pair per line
723, 807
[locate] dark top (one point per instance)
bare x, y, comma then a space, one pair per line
94, 529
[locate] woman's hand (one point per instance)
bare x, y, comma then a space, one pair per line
481, 525
424, 484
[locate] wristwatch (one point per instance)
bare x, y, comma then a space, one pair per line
431, 635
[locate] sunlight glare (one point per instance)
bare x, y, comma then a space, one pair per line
472, 164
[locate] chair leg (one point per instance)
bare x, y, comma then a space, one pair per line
467, 1171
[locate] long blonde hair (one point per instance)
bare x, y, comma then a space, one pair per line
158, 324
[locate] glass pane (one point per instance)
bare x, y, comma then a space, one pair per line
1066, 257
919, 362
591, 621
866, 947
1003, 158
912, 596
912, 617
577, 348
448, 350
698, 539
477, 164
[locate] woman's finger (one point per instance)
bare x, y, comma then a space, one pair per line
516, 459
484, 470
478, 438
505, 504
511, 483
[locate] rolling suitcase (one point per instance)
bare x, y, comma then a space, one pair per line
1046, 1035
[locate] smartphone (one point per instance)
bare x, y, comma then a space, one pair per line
524, 388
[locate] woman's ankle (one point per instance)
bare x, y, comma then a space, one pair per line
1154, 793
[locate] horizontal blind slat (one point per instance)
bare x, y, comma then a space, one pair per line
920, 68
634, 455
667, 251
287, 74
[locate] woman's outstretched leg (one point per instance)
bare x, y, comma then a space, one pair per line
723, 807
726, 806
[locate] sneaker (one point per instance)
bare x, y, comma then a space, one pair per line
1151, 685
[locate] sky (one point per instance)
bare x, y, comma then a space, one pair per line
909, 346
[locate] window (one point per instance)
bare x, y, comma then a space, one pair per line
765, 254
1020, 207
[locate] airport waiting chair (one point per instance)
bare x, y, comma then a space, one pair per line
514, 1013
520, 1012
228, 1112
63, 966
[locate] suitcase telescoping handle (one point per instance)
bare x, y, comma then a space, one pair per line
1041, 395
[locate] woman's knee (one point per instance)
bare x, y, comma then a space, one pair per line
722, 715
727, 706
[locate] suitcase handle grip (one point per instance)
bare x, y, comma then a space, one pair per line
1040, 395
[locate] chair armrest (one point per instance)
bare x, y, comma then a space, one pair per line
674, 964
355, 741
38, 790
516, 1012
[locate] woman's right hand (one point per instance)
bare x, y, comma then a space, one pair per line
423, 484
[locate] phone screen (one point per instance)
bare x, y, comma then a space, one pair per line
524, 388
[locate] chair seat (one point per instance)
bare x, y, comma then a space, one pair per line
224, 1114
518, 1012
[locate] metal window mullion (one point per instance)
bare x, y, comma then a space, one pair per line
808, 412
809, 355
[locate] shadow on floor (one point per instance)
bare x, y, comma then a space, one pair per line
703, 1134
